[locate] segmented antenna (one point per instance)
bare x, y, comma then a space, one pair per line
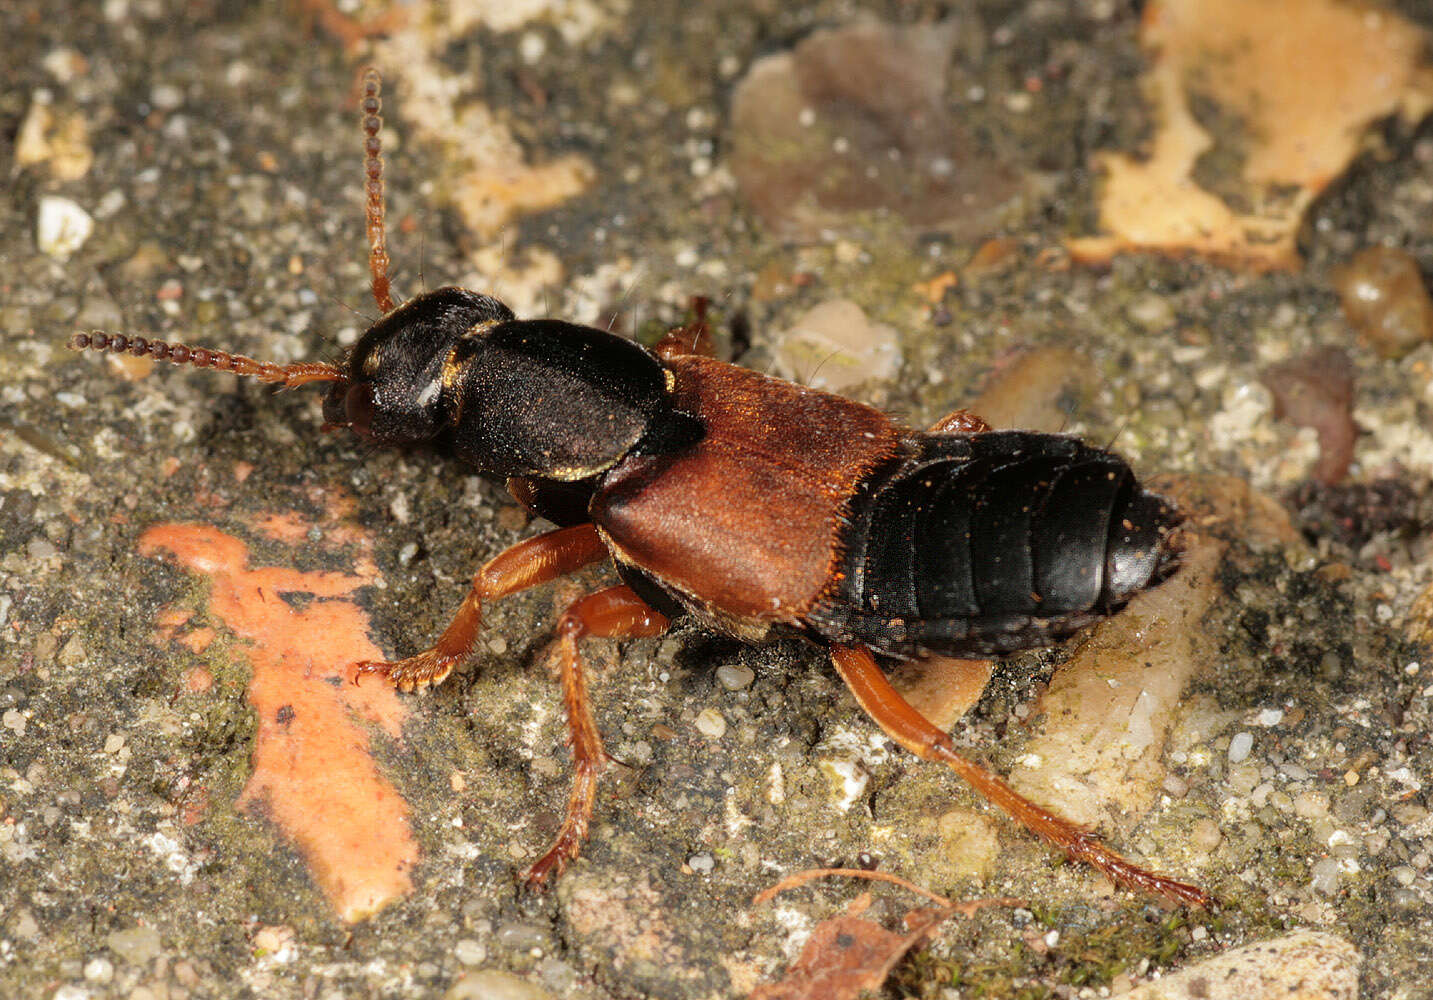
289, 376
373, 172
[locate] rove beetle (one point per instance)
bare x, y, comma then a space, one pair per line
760, 507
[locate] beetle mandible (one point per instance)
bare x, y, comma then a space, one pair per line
760, 507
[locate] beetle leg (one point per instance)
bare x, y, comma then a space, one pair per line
910, 729
526, 564
960, 422
614, 613
693, 338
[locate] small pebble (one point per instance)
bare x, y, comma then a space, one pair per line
1404, 875
62, 227
99, 970
137, 945
491, 984
1239, 747
703, 863
470, 952
1205, 835
710, 723
1385, 300
1270, 717
1324, 876
1311, 805
734, 678
523, 937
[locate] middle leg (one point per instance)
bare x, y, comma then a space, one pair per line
614, 613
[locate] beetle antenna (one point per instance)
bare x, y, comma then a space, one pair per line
289, 376
372, 123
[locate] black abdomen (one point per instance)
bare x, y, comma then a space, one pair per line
977, 545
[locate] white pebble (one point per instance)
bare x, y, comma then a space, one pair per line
710, 723
62, 227
1270, 717
1239, 747
734, 678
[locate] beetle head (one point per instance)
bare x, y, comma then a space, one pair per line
395, 380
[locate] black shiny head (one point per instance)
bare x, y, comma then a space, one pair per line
393, 386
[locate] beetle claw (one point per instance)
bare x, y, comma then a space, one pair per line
427, 669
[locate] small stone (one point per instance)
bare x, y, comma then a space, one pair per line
137, 945
710, 723
72, 653
490, 984
734, 678
14, 720
1306, 964
523, 937
1205, 835
62, 227
99, 970
1385, 300
1404, 875
470, 952
113, 743
835, 347
1270, 717
1311, 805
1324, 876
703, 863
1239, 747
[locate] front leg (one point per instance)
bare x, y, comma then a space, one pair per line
526, 564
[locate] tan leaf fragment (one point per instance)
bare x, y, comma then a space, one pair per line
1303, 78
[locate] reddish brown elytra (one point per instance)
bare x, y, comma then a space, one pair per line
759, 507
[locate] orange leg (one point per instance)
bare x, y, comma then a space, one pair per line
909, 728
526, 564
959, 422
614, 613
694, 338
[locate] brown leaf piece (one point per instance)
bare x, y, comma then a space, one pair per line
1316, 391
849, 954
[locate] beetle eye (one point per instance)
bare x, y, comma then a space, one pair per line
358, 406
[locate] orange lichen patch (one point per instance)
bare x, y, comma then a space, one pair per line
313, 773
197, 680
289, 527
1303, 78
198, 640
933, 291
